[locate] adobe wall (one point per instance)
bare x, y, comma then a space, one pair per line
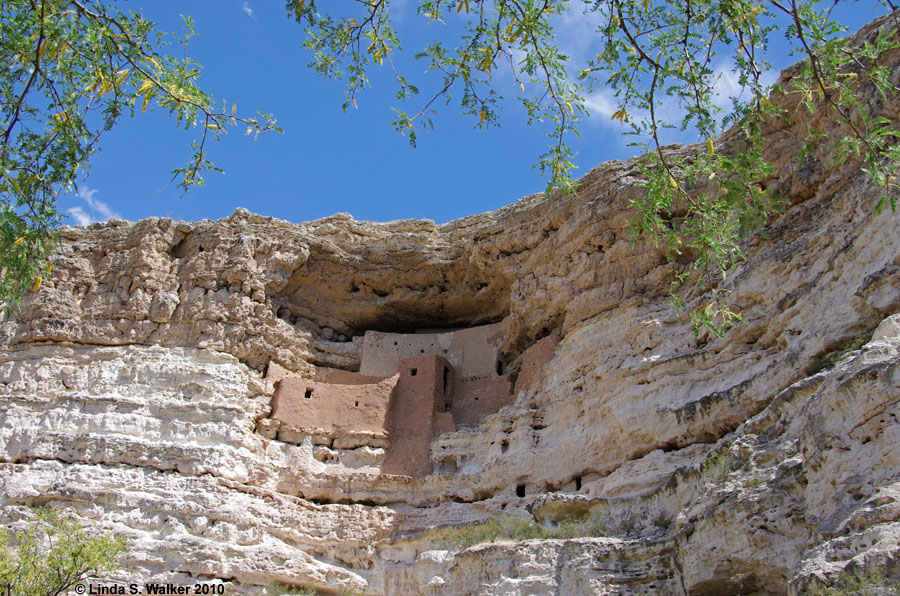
322, 374
275, 372
337, 376
333, 409
476, 398
534, 359
408, 387
472, 352
418, 409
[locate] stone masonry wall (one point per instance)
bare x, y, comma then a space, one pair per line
473, 352
419, 396
333, 409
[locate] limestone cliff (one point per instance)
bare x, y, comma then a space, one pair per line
133, 394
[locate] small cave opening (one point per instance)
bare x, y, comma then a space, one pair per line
504, 446
413, 372
578, 483
308, 393
499, 368
180, 250
520, 490
446, 380
410, 318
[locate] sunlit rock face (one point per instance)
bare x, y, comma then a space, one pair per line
136, 392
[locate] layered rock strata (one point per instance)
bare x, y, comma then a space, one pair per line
132, 395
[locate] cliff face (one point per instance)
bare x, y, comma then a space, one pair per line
133, 394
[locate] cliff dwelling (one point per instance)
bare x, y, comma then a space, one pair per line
410, 388
561, 430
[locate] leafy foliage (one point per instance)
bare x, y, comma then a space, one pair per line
719, 463
508, 527
277, 589
867, 582
662, 60
830, 359
71, 70
52, 556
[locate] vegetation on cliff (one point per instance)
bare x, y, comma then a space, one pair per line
75, 68
53, 554
71, 70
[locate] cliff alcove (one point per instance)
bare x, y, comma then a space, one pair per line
156, 387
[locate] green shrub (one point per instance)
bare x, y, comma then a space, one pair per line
830, 359
279, 589
52, 555
872, 582
718, 464
508, 527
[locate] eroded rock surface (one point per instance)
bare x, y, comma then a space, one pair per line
132, 394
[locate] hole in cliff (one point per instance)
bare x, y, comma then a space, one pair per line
180, 250
499, 367
413, 371
356, 403
446, 382
520, 490
308, 393
504, 446
578, 483
395, 343
286, 315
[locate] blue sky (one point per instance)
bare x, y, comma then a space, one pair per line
328, 160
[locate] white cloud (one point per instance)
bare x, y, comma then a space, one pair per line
81, 218
96, 211
601, 105
247, 9
577, 36
728, 85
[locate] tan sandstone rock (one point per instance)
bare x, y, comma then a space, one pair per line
132, 396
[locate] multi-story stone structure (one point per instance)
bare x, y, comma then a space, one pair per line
410, 389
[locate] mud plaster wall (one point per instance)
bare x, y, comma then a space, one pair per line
534, 359
428, 395
335, 409
418, 406
473, 352
344, 377
476, 398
